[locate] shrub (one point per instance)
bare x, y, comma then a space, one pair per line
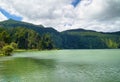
14, 45
7, 50
2, 44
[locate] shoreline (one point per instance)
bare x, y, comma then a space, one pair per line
30, 50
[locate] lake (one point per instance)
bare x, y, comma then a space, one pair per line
62, 66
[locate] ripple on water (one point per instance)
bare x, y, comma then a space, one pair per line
62, 66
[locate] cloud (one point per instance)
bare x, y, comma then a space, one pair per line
9, 16
99, 15
112, 9
2, 17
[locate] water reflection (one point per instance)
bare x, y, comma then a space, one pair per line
20, 69
62, 68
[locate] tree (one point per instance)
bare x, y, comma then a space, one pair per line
46, 43
2, 44
5, 36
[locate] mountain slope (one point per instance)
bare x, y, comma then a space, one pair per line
11, 24
71, 39
91, 39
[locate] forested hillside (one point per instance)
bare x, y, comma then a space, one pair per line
87, 39
29, 36
25, 38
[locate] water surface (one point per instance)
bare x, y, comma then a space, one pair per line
62, 66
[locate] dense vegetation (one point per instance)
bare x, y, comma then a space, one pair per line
23, 38
29, 36
86, 39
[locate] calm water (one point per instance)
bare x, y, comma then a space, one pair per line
61, 66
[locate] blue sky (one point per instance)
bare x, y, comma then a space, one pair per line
75, 2
10, 16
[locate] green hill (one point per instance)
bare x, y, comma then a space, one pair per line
91, 39
69, 39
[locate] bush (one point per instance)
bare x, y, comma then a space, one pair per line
14, 45
2, 44
7, 50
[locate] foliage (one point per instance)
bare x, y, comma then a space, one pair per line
24, 38
46, 43
2, 44
7, 50
86, 39
14, 45
23, 35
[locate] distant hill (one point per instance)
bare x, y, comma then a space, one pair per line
70, 39
11, 24
38, 28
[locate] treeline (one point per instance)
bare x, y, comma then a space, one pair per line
25, 39
29, 36
90, 40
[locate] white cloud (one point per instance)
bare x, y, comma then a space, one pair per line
99, 15
2, 17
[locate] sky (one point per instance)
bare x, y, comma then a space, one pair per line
98, 15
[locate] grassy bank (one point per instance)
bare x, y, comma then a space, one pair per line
24, 50
19, 50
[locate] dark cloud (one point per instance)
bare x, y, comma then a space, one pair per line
112, 10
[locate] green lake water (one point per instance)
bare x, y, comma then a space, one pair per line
62, 66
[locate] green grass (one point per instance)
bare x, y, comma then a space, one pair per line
24, 50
